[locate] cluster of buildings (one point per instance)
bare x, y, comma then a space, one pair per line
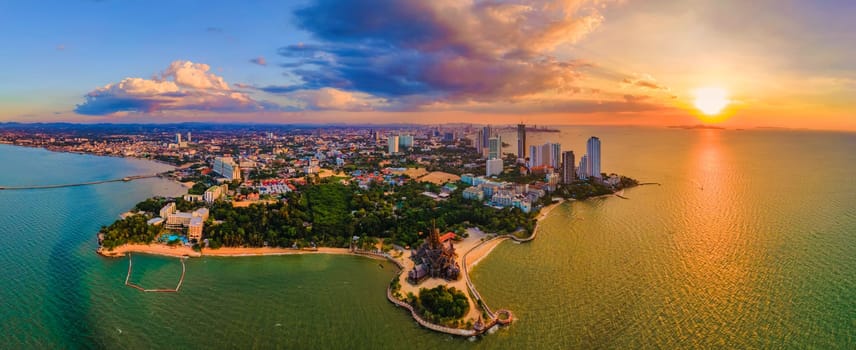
385, 176
226, 167
504, 194
398, 143
547, 158
489, 145
193, 221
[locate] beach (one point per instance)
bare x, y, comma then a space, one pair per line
182, 251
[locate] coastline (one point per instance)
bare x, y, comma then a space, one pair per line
154, 162
173, 166
184, 251
470, 259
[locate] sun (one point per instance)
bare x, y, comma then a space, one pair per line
711, 100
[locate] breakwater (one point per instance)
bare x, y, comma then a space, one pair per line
89, 183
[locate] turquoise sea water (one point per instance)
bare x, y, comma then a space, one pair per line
750, 242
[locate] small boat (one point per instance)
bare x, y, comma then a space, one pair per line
380, 265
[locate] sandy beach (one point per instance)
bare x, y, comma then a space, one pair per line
181, 251
240, 251
154, 249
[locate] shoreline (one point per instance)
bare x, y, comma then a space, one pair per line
476, 253
156, 162
184, 251
173, 166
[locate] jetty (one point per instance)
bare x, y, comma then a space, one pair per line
42, 187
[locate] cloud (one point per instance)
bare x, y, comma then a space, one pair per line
259, 61
60, 47
439, 51
636, 98
644, 81
335, 99
184, 85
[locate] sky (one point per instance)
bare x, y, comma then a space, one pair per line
781, 63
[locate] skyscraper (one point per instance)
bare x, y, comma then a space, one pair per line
494, 147
521, 141
548, 154
392, 143
486, 134
582, 171
593, 154
405, 141
555, 155
568, 163
188, 137
534, 156
478, 142
178, 138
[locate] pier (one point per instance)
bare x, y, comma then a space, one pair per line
42, 187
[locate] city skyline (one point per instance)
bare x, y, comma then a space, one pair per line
550, 63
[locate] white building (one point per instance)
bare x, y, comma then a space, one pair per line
194, 228
226, 167
201, 213
502, 198
494, 147
493, 167
392, 143
179, 219
212, 194
473, 193
593, 154
548, 154
405, 141
582, 170
167, 209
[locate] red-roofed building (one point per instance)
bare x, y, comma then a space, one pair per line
447, 236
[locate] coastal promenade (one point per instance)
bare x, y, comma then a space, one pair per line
42, 187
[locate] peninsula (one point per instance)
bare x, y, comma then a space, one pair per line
432, 203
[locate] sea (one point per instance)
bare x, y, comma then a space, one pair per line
744, 239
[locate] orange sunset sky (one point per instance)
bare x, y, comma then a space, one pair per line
736, 64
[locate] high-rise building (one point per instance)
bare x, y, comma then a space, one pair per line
486, 135
548, 154
392, 143
534, 156
493, 167
582, 171
188, 137
521, 141
593, 154
494, 148
478, 142
555, 155
568, 163
226, 167
405, 141
178, 138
